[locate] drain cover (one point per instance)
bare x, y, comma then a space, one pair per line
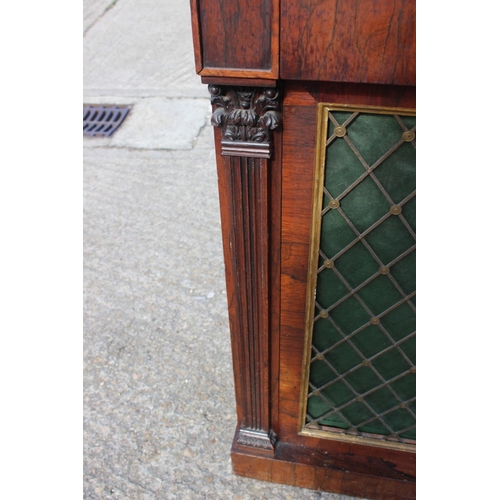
103, 120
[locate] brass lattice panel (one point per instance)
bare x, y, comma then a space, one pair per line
359, 366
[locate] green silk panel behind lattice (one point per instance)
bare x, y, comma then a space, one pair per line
362, 372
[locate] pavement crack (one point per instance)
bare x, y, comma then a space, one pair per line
197, 136
109, 7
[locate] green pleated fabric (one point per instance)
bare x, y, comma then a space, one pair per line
362, 372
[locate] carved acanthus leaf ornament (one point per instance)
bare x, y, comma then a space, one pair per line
245, 114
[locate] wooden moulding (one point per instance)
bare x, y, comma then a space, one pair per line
195, 26
291, 465
232, 81
249, 241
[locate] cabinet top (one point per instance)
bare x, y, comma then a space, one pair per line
363, 41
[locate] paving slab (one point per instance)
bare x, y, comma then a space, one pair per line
142, 48
159, 409
93, 10
155, 123
159, 413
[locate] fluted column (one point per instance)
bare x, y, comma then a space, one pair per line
247, 116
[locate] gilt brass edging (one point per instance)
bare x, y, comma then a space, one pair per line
376, 110
362, 440
319, 174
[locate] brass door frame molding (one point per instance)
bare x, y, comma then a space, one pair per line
323, 110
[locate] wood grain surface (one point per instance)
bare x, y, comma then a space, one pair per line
298, 164
195, 26
359, 41
355, 52
291, 465
268, 364
239, 38
249, 184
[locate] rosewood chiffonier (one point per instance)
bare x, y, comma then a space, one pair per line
314, 123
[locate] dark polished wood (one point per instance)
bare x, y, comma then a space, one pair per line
219, 80
237, 38
294, 466
306, 93
265, 123
363, 41
195, 26
249, 251
268, 446
246, 117
299, 141
367, 41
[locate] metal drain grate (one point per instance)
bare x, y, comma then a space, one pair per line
103, 120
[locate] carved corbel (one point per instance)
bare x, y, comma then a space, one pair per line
247, 115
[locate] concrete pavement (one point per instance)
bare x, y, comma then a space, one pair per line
159, 411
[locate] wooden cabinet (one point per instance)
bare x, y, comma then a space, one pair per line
312, 98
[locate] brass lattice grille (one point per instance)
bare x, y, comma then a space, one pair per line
361, 361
